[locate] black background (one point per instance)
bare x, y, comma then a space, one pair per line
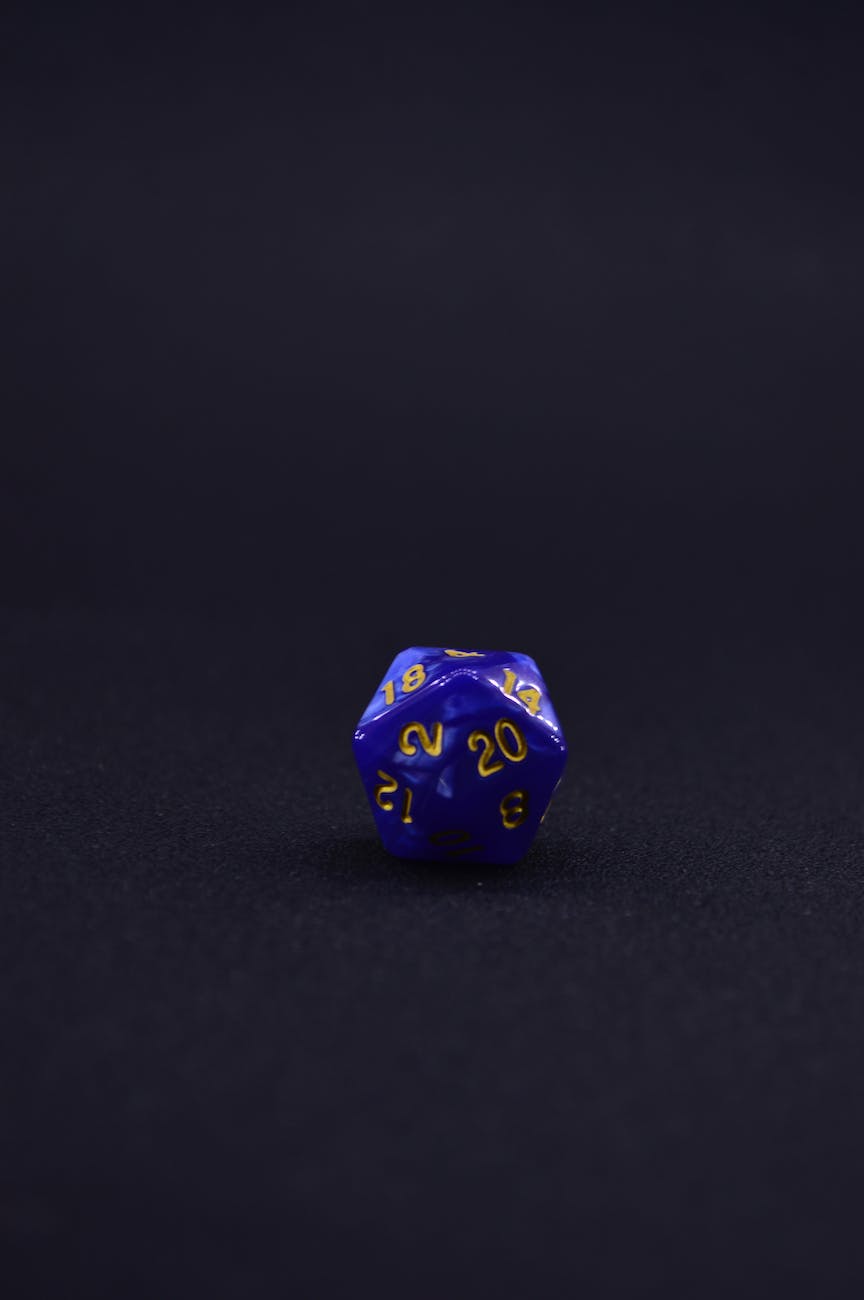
329, 334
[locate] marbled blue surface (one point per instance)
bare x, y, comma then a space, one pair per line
475, 782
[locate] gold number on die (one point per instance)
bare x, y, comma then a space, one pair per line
530, 696
510, 741
514, 809
389, 786
412, 678
432, 745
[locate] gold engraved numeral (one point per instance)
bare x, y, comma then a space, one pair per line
510, 741
432, 745
484, 766
412, 678
503, 728
465, 654
514, 809
389, 786
530, 696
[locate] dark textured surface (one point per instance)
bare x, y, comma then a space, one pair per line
242, 1044
315, 332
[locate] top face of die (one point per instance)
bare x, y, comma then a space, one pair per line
422, 670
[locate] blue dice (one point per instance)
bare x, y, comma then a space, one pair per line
460, 753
